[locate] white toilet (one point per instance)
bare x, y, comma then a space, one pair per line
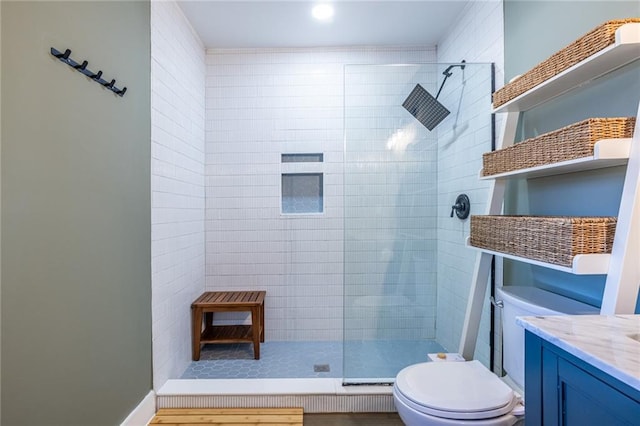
467, 393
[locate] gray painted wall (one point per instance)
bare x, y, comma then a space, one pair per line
533, 31
76, 281
0, 216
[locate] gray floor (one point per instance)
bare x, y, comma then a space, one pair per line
364, 359
353, 419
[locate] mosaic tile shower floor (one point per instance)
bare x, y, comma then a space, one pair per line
365, 359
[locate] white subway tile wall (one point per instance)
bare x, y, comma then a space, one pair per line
477, 37
262, 103
177, 185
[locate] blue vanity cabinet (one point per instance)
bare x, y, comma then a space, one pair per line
561, 389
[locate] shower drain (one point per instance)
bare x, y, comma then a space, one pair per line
321, 368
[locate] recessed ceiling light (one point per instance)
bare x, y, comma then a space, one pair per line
322, 12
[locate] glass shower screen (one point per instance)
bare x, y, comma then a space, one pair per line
397, 173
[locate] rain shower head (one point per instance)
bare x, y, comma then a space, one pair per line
425, 108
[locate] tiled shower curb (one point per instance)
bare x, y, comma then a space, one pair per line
313, 395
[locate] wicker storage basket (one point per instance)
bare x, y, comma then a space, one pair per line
551, 239
587, 45
568, 143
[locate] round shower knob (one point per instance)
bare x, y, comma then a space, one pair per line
462, 207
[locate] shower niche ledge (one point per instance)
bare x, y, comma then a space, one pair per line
582, 264
606, 153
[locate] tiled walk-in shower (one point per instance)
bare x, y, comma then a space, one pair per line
351, 235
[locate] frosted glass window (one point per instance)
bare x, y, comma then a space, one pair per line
302, 193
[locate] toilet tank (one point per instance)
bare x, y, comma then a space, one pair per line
520, 301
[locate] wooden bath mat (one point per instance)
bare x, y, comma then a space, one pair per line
227, 416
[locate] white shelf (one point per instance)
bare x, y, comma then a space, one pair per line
583, 264
606, 153
621, 267
626, 49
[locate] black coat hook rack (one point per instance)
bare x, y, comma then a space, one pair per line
97, 77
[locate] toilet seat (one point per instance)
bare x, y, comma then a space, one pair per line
454, 390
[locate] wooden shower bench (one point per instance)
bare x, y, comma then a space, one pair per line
227, 301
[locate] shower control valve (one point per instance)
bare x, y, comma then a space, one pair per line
462, 207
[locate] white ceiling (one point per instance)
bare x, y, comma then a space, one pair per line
264, 23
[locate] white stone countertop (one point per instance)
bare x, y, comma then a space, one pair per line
609, 343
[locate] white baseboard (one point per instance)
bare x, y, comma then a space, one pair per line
143, 413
